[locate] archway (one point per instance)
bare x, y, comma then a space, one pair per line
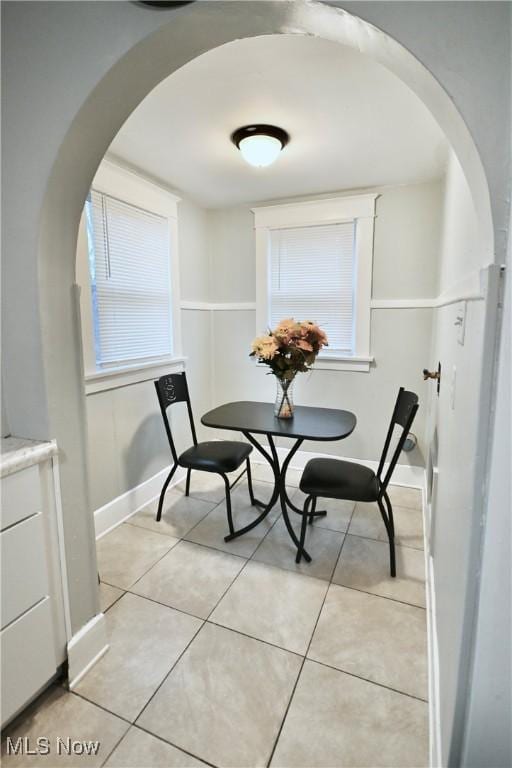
200, 28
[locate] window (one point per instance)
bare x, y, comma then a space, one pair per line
127, 267
130, 279
301, 258
314, 262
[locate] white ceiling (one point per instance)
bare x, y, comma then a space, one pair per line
352, 123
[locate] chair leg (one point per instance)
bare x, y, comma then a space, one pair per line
390, 512
391, 538
249, 482
305, 516
162, 493
187, 484
228, 505
313, 510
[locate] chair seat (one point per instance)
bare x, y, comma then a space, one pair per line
215, 456
336, 479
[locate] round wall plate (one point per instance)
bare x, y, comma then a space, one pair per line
165, 3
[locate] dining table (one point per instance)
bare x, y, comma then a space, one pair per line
253, 419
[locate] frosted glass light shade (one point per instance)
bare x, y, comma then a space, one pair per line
260, 150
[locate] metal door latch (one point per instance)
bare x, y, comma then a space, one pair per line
436, 375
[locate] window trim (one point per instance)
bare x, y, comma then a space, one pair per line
130, 187
358, 208
124, 376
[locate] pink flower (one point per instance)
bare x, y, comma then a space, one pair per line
305, 345
291, 347
285, 326
265, 347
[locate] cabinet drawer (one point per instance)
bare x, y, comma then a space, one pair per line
24, 574
21, 496
28, 658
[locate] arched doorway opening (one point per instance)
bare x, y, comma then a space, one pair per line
201, 28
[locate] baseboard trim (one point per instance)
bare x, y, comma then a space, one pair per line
118, 510
121, 508
433, 668
412, 477
86, 647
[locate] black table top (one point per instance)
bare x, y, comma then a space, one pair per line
307, 423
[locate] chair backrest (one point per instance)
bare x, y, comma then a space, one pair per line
404, 412
172, 389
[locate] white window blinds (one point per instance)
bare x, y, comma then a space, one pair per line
129, 263
312, 275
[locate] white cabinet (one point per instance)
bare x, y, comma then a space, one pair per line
24, 567
33, 626
29, 658
21, 496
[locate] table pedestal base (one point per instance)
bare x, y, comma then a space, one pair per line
279, 492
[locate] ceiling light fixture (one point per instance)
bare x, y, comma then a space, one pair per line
260, 145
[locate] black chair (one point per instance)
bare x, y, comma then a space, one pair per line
336, 479
220, 456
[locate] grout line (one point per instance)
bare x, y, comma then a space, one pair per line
253, 556
188, 613
208, 546
222, 501
383, 597
100, 706
252, 637
139, 527
165, 605
134, 722
385, 541
225, 552
296, 681
356, 589
170, 743
123, 592
148, 702
212, 506
139, 727
308, 647
116, 586
213, 623
226, 590
115, 745
367, 680
147, 570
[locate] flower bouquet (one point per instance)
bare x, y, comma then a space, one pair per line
291, 348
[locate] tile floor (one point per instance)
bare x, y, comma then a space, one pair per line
232, 655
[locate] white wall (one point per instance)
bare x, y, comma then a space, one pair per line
488, 734
461, 253
407, 229
456, 416
233, 255
126, 440
195, 251
112, 60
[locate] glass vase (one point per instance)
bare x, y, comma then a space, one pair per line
283, 406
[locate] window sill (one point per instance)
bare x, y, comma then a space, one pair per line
342, 363
114, 378
338, 363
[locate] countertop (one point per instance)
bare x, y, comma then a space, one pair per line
20, 452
